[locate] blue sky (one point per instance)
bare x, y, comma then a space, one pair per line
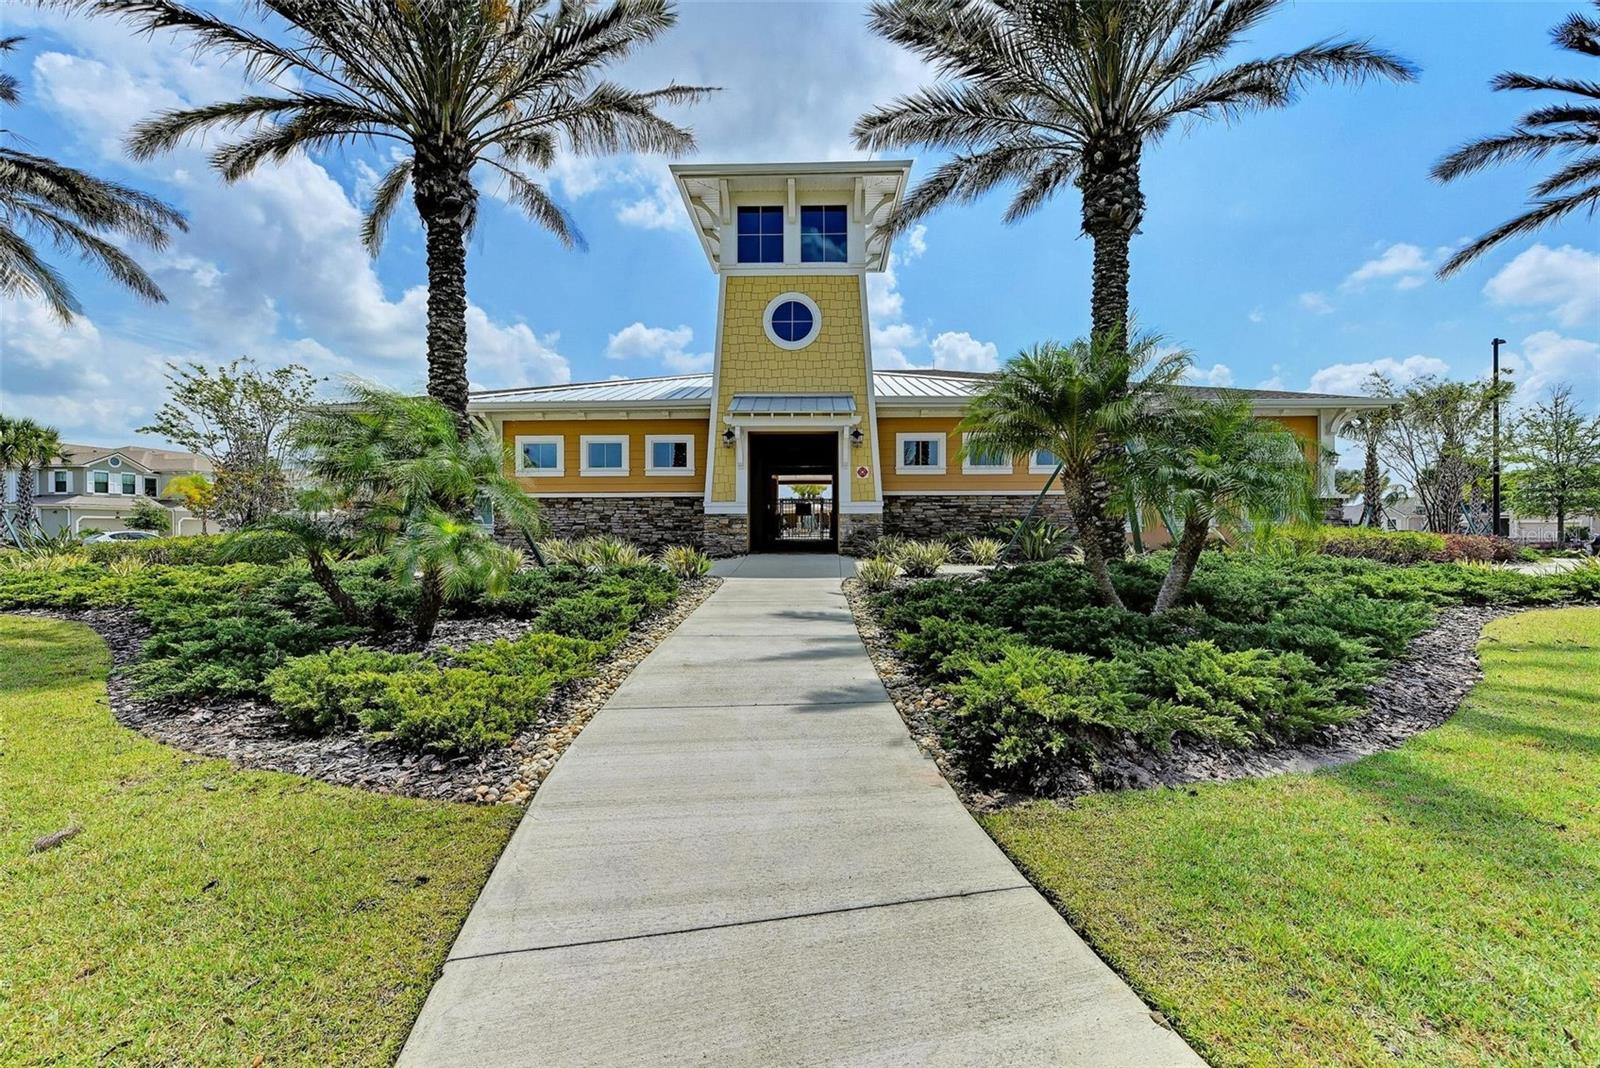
1293, 249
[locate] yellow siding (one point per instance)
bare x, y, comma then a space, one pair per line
1018, 481
571, 431
836, 362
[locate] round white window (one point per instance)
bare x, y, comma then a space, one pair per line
792, 321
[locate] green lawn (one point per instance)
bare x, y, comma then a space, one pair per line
1437, 905
205, 915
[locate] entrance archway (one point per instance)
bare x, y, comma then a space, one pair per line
793, 493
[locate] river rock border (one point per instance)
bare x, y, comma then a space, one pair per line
251, 735
1419, 691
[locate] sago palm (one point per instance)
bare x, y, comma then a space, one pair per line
461, 88
1047, 94
1214, 464
1073, 400
77, 213
1569, 130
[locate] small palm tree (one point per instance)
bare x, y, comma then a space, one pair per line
26, 445
1216, 465
75, 212
317, 530
493, 86
1075, 400
1570, 129
1052, 93
1368, 428
396, 467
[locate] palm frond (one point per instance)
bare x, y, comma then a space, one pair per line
1541, 214
1516, 145
1576, 86
384, 200
23, 273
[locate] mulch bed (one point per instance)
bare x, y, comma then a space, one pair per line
1418, 691
253, 735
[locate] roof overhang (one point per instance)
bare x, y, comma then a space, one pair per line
792, 404
874, 189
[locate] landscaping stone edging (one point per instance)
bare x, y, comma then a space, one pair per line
1419, 691
249, 734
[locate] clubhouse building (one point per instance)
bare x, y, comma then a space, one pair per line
792, 440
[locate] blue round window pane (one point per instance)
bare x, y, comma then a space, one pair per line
791, 321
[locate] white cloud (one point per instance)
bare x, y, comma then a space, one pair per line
1565, 279
960, 351
1352, 377
915, 242
1407, 265
1257, 315
1218, 374
1546, 359
669, 346
659, 209
1315, 302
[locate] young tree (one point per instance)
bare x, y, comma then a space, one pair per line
41, 199
237, 416
1368, 428
1056, 93
1073, 400
1217, 465
1436, 439
148, 515
1569, 130
408, 484
1556, 450
460, 88
198, 494
26, 445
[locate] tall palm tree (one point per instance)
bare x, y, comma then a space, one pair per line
492, 87
1216, 465
76, 212
1368, 428
1051, 93
1570, 129
1072, 400
26, 445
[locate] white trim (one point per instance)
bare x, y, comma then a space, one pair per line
713, 434
650, 443
963, 493
900, 439
585, 440
804, 301
539, 439
970, 468
612, 494
1033, 464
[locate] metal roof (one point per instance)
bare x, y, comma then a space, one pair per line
792, 404
889, 387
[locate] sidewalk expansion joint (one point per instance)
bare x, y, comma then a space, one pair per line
741, 923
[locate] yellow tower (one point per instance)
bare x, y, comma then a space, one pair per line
792, 443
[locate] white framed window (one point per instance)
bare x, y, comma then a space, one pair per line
603, 454
149, 485
1042, 462
919, 454
984, 463
130, 484
669, 454
60, 482
540, 456
99, 481
115, 461
792, 321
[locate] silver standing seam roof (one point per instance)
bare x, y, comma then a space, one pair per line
792, 404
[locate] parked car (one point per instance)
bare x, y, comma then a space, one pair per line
123, 535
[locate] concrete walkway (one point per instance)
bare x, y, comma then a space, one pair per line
744, 860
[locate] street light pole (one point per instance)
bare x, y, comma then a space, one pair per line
1494, 521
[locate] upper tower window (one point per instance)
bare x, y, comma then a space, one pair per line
761, 235
824, 235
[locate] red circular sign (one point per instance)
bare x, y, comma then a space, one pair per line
863, 471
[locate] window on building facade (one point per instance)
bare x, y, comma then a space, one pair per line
984, 462
824, 234
130, 483
605, 455
100, 482
58, 482
1043, 461
919, 453
792, 321
149, 485
668, 455
761, 235
539, 456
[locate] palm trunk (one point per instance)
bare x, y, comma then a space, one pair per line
1184, 559
1372, 487
1113, 206
1094, 559
25, 508
429, 603
324, 577
447, 203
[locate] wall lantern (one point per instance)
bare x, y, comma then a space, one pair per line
729, 437
856, 436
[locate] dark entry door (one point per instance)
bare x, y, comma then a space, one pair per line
785, 522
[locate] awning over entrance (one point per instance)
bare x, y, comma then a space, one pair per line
792, 404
